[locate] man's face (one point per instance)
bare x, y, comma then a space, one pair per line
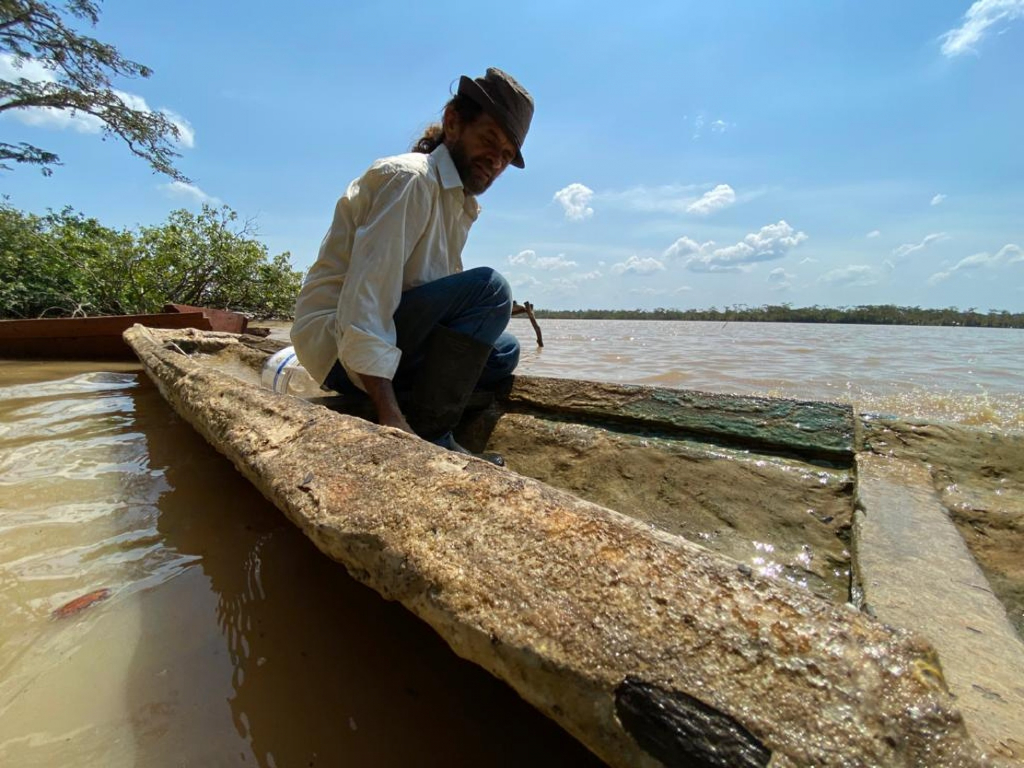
480, 151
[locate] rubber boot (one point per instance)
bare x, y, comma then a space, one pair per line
452, 364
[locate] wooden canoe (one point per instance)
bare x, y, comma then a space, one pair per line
597, 576
100, 337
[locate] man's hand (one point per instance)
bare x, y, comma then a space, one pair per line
382, 393
517, 308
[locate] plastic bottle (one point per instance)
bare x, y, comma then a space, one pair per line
285, 375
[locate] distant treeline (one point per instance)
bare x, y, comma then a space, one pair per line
872, 314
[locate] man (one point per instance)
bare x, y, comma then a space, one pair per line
387, 309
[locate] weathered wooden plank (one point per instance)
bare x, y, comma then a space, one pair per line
915, 571
627, 637
816, 429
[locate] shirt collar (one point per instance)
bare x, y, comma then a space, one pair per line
449, 177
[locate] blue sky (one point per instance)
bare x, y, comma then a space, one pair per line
682, 154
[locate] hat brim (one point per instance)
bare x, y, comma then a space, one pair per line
471, 89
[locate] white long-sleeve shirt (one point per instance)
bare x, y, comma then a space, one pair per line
401, 224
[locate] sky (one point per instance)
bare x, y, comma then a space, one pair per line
682, 154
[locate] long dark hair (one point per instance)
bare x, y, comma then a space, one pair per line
433, 135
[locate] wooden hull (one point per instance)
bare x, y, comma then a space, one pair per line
100, 338
648, 648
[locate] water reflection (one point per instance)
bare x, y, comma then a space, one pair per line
227, 638
315, 668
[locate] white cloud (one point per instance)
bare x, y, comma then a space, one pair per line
189, 191
780, 279
713, 200
522, 258
565, 285
30, 69
717, 126
554, 262
186, 133
1008, 254
937, 200
982, 15
529, 258
523, 281
873, 234
575, 200
659, 291
771, 242
634, 265
852, 276
908, 248
49, 117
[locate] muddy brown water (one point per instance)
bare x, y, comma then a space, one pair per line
228, 639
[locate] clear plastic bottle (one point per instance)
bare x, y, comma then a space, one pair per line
285, 375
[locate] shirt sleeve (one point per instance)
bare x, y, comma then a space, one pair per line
372, 289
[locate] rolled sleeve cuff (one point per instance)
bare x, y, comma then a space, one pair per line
363, 353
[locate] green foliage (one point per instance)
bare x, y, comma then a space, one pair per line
67, 264
78, 71
876, 314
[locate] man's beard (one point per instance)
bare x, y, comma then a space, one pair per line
474, 183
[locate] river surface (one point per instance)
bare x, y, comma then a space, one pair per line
225, 638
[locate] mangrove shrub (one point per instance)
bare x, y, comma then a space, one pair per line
67, 264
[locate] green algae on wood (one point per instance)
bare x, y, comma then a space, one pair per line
813, 429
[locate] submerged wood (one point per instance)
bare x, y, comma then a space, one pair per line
650, 649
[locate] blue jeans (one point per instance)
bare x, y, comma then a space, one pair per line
477, 302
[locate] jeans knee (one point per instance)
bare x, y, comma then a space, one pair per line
497, 287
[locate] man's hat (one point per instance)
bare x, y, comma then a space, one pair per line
506, 101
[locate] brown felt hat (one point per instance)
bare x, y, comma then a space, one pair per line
506, 101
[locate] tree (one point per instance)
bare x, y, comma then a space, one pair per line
68, 264
73, 72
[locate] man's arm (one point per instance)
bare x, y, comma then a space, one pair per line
382, 393
372, 287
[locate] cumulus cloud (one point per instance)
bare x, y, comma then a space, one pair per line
978, 20
186, 134
717, 126
937, 200
564, 284
191, 192
771, 242
1008, 254
713, 200
851, 276
575, 200
906, 249
634, 265
522, 258
523, 281
50, 117
529, 258
873, 234
648, 291
780, 279
554, 262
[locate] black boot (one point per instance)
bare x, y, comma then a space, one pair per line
452, 364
